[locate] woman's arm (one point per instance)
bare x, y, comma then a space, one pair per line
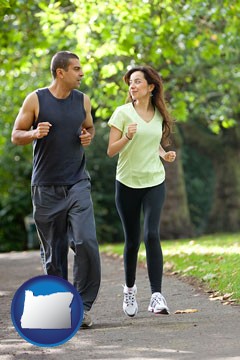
167, 156
117, 141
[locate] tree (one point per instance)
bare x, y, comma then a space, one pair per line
21, 52
194, 46
212, 101
112, 42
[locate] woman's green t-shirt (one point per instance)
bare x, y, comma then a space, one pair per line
139, 164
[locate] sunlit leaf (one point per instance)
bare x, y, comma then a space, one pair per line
186, 311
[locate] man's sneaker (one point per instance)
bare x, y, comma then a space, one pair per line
158, 304
87, 321
130, 306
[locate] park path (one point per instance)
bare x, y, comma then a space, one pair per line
211, 333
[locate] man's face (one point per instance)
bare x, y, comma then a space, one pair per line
73, 75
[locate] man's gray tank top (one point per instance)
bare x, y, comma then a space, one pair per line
58, 158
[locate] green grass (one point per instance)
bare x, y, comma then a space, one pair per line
213, 260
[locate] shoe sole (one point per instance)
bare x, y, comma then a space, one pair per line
159, 312
132, 315
85, 326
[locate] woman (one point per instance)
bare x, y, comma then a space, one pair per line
138, 129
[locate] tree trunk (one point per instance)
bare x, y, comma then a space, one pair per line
224, 151
225, 212
175, 218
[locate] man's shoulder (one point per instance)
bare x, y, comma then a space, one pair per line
41, 90
31, 97
78, 92
78, 95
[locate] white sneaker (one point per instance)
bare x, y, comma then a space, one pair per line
87, 321
158, 304
130, 306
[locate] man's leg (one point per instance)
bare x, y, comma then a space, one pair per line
86, 270
49, 213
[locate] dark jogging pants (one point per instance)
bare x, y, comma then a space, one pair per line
130, 202
64, 216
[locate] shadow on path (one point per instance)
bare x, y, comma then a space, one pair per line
213, 332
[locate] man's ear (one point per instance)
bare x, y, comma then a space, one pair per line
59, 73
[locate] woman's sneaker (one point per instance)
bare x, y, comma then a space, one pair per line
158, 304
130, 306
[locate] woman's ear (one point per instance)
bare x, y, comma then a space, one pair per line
151, 87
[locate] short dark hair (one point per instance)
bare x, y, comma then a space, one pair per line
61, 60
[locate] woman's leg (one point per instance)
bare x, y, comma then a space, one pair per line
152, 206
128, 203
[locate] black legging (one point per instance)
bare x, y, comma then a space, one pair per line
129, 202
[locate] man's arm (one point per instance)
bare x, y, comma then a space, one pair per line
22, 134
88, 130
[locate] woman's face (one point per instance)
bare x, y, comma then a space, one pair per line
138, 86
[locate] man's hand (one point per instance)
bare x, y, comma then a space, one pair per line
85, 137
42, 130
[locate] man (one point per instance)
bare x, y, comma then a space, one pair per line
58, 120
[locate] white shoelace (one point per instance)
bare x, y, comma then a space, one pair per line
158, 299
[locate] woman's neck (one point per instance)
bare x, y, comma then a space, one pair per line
145, 109
144, 105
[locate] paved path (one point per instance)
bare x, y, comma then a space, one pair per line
212, 333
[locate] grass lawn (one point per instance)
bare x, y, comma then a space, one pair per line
213, 260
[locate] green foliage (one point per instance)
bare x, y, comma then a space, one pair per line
193, 44
199, 178
102, 171
15, 201
4, 4
211, 259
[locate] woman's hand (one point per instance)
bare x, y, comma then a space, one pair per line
169, 156
132, 129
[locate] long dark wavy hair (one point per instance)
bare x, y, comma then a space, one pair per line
157, 98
